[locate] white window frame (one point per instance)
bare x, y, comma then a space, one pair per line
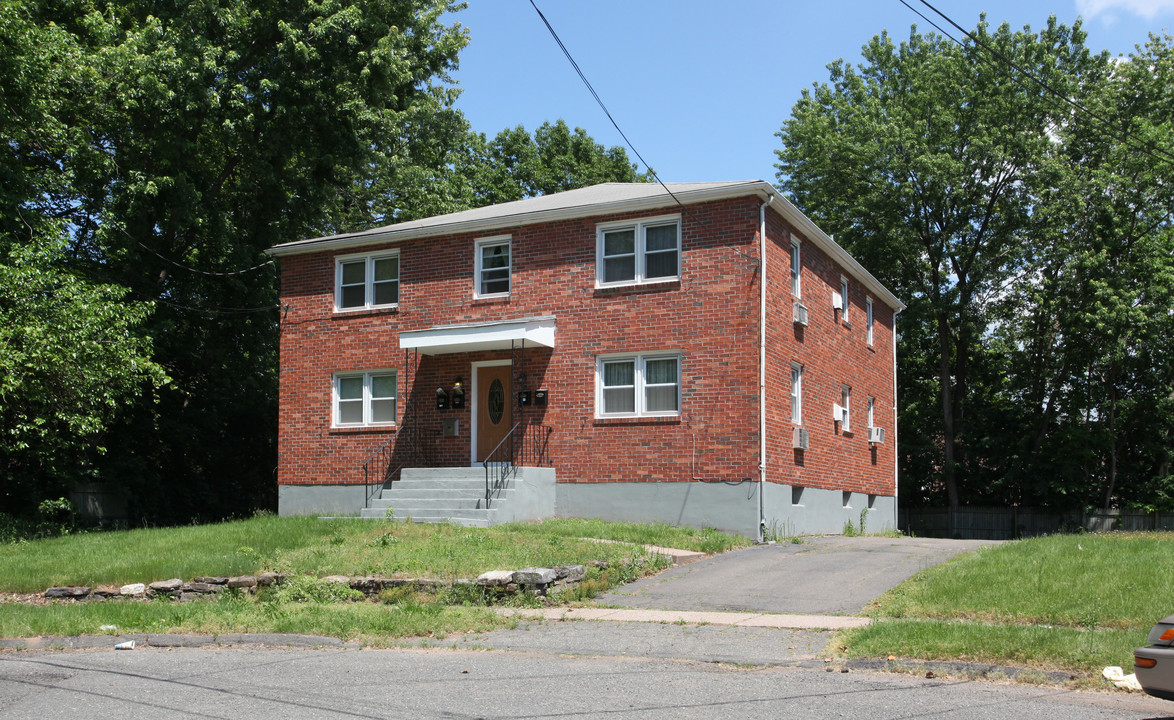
640, 228
478, 279
871, 411
639, 386
846, 404
796, 394
367, 399
868, 319
368, 280
844, 299
796, 269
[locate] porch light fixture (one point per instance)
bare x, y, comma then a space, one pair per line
441, 399
458, 394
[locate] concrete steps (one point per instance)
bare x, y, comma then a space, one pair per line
436, 495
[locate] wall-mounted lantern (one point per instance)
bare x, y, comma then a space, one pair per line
441, 399
458, 395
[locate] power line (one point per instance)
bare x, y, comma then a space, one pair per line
1121, 134
229, 273
599, 100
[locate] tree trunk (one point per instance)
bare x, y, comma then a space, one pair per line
948, 431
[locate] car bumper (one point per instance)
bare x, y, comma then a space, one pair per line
1159, 679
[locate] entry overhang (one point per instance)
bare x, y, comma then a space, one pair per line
475, 337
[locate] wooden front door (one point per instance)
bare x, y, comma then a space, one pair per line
494, 419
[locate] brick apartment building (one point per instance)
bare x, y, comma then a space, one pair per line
625, 341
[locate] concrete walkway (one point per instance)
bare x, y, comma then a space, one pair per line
759, 620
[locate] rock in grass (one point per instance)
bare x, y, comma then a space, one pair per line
242, 581
535, 576
72, 592
495, 578
571, 573
202, 588
166, 586
133, 589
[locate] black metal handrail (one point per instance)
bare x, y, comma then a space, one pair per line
382, 467
532, 446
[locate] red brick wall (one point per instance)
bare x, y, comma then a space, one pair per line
833, 354
710, 316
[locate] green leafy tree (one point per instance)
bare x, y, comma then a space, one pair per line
70, 357
172, 144
920, 160
516, 164
1090, 338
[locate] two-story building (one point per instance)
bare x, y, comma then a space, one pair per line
696, 353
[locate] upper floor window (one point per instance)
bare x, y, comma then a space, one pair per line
644, 251
362, 399
868, 319
871, 411
367, 281
846, 408
639, 385
493, 267
796, 265
797, 393
843, 299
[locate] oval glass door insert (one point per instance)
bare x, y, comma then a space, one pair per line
496, 401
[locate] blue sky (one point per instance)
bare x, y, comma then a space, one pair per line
701, 86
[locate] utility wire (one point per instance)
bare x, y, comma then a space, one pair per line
1149, 149
230, 273
599, 100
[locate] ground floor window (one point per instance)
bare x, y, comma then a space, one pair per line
366, 398
638, 385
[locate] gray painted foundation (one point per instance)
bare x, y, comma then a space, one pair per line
334, 500
731, 507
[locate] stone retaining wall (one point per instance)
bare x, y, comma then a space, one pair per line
536, 580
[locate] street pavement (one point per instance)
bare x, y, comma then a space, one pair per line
351, 684
722, 637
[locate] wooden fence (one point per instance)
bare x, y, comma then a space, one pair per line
998, 523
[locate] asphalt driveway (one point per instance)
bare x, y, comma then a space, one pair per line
822, 576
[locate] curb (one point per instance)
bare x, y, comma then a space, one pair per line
165, 640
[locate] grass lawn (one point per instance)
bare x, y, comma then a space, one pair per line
1066, 602
312, 547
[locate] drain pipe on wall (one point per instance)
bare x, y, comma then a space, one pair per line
762, 368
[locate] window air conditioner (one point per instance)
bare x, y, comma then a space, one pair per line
837, 301
800, 314
799, 439
837, 412
876, 435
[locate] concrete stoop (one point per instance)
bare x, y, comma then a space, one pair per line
435, 495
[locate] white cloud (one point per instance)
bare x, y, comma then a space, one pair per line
1148, 9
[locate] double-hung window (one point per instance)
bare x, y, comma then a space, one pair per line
367, 281
796, 393
644, 251
868, 321
846, 412
796, 266
493, 267
638, 385
843, 299
364, 399
871, 409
